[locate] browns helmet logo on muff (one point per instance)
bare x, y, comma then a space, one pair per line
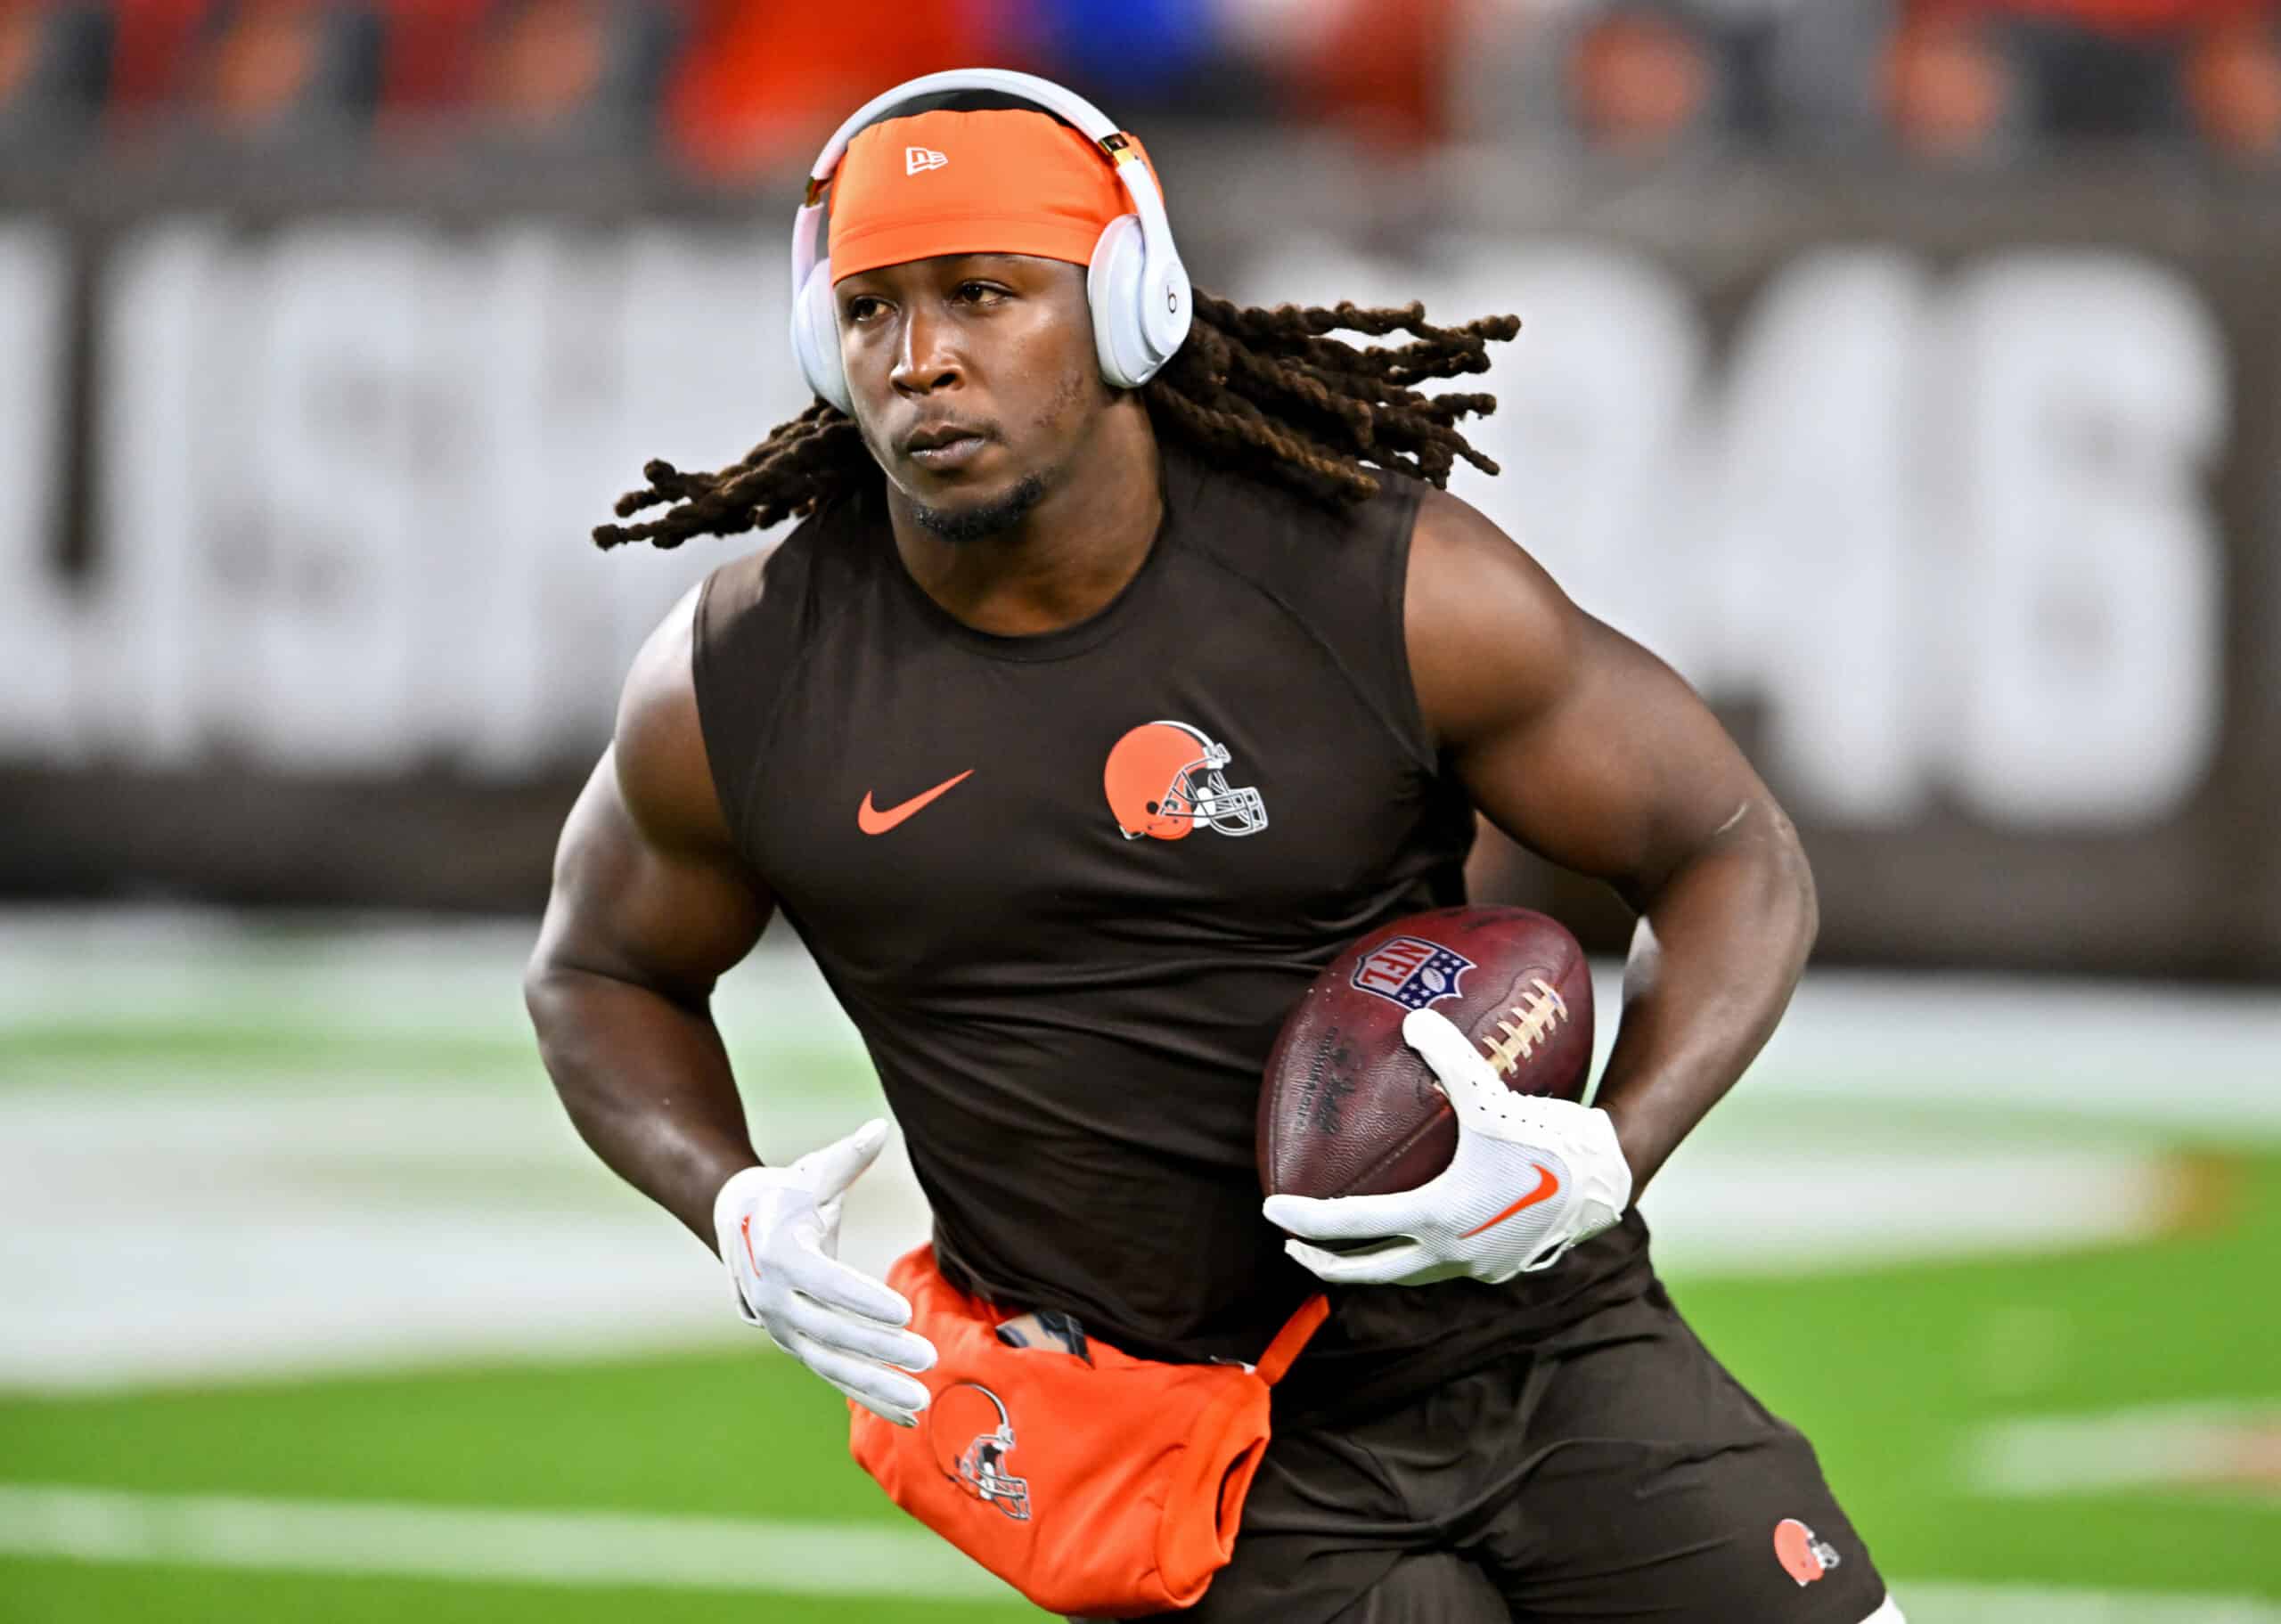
973, 1436
1165, 778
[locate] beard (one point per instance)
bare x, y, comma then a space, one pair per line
994, 516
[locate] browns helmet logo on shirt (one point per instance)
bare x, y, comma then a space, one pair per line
1165, 780
973, 1436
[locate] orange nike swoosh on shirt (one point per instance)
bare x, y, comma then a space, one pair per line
871, 820
1546, 1187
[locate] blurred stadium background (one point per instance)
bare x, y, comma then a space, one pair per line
1909, 373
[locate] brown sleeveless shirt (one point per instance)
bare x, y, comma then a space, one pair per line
1066, 886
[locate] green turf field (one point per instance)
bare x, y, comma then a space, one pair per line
716, 1472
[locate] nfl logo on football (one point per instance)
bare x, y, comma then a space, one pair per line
1412, 973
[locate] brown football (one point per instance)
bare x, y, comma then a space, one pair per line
1349, 1109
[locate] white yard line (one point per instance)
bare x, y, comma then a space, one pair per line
346, 978
271, 1237
2078, 1048
1836, 1198
569, 1548
589, 1548
1940, 1604
340, 1211
271, 1234
2213, 1451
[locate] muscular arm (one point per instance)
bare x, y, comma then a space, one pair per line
650, 904
1590, 751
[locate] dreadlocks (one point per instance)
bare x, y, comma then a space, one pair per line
1267, 392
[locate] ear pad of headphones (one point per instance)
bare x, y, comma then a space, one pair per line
815, 337
1112, 288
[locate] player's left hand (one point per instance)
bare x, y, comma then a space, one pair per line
1531, 1178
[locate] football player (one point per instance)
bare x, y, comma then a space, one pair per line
1128, 662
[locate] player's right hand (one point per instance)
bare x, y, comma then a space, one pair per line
779, 1233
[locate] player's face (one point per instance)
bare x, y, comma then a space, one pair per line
974, 381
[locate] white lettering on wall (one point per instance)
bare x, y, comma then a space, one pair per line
35, 608
1818, 609
1947, 537
347, 475
1595, 401
2090, 400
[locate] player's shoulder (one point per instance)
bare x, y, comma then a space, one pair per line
658, 743
1487, 627
781, 577
1336, 565
698, 661
754, 614
1463, 564
1250, 513
707, 683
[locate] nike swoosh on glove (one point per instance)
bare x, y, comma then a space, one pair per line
1531, 1178
778, 1233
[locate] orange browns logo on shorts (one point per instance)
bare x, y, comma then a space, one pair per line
1166, 779
973, 1438
1804, 1557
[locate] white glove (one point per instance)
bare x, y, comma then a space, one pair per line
779, 1231
1531, 1178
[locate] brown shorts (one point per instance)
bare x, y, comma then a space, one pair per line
1614, 1471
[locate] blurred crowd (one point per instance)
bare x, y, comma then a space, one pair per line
743, 90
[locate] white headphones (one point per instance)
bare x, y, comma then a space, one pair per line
1136, 284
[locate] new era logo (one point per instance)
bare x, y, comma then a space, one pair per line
916, 159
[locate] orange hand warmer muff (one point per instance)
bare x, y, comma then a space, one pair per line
1098, 1484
